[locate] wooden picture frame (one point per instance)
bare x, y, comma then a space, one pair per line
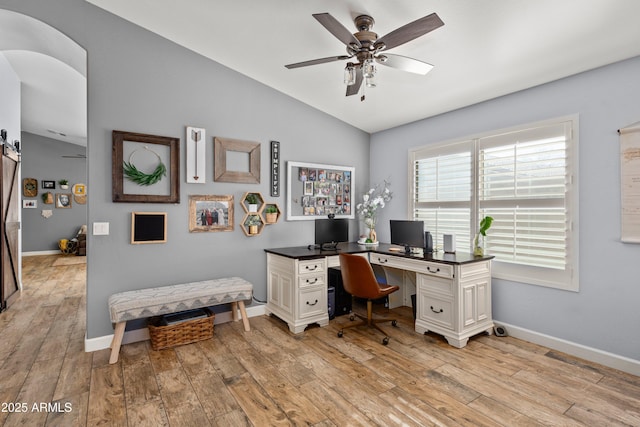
210, 213
63, 200
166, 151
148, 227
221, 146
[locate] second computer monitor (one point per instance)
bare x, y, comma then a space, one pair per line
330, 232
409, 234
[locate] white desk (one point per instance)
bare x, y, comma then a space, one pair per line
453, 291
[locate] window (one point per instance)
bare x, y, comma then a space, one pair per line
526, 179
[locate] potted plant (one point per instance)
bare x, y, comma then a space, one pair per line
271, 214
252, 200
478, 241
47, 198
64, 184
253, 222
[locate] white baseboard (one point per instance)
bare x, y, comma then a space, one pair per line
142, 334
578, 350
34, 253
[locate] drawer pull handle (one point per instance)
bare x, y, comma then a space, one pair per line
383, 261
311, 268
314, 281
314, 303
432, 271
436, 311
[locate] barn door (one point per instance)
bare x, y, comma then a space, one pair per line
9, 227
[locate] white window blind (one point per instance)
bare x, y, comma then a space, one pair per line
525, 179
443, 190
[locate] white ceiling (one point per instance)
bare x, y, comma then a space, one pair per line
487, 48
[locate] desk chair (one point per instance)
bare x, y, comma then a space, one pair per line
359, 280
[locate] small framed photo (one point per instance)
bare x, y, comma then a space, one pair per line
49, 185
29, 204
63, 200
210, 213
308, 188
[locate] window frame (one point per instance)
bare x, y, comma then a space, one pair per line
565, 279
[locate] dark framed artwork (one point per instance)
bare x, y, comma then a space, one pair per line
49, 185
148, 227
236, 161
210, 213
275, 169
145, 168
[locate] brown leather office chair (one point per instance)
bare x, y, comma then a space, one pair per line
359, 280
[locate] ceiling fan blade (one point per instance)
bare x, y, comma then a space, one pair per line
337, 29
411, 31
317, 61
355, 88
404, 63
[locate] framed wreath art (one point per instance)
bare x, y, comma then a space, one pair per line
146, 168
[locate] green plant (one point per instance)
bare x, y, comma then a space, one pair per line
252, 199
485, 224
63, 182
271, 209
133, 174
252, 220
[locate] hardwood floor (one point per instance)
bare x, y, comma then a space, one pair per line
270, 377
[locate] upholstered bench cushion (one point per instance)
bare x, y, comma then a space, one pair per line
150, 302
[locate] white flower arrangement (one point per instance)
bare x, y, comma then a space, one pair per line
374, 199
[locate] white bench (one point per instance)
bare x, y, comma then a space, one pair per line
142, 303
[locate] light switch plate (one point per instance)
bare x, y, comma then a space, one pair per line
100, 228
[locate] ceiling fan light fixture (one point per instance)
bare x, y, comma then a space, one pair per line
368, 68
350, 74
370, 81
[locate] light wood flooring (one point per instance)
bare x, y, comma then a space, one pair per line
270, 377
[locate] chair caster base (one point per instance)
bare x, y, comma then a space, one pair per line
385, 340
340, 333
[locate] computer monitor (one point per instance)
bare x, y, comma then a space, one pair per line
330, 232
409, 234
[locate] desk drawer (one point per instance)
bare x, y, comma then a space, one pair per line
312, 301
311, 280
312, 266
433, 284
436, 310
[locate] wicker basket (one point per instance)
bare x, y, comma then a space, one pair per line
182, 333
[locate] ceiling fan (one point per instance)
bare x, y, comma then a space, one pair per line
367, 48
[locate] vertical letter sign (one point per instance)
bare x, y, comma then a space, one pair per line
275, 169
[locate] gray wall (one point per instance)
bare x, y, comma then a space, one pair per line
140, 82
10, 105
604, 313
42, 159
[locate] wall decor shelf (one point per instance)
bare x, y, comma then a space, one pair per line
272, 213
252, 224
246, 200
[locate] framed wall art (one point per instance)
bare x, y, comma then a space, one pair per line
275, 169
196, 159
148, 227
210, 213
145, 168
49, 185
236, 161
63, 200
317, 190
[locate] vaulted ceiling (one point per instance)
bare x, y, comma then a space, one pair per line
486, 48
